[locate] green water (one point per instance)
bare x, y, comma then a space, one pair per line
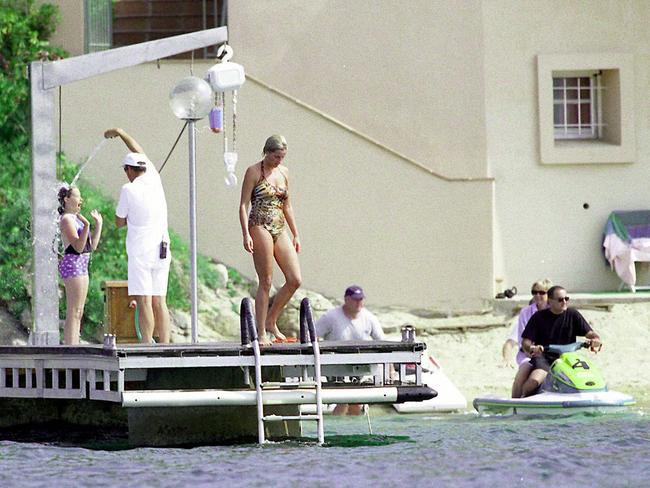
403, 450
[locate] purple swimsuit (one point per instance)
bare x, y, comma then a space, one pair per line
74, 263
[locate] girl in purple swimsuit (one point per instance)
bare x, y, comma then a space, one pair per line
73, 267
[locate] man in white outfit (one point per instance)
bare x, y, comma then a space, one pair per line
143, 209
350, 322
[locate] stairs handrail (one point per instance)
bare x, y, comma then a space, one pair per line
307, 328
247, 324
308, 334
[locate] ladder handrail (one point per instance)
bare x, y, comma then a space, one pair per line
305, 306
307, 333
249, 336
307, 325
246, 318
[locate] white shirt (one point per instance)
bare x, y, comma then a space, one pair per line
143, 204
518, 329
336, 326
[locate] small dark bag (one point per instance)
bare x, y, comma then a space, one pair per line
163, 250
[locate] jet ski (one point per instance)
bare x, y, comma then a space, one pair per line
573, 385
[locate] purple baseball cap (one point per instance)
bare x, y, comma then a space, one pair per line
355, 292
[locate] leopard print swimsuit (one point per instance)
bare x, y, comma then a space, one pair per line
267, 206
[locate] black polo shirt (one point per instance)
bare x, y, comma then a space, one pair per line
545, 327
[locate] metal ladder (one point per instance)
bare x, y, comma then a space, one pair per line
307, 334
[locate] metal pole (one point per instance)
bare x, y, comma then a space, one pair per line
193, 283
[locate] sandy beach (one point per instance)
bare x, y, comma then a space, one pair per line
472, 359
469, 346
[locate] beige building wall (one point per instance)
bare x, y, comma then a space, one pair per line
541, 226
408, 74
365, 215
451, 86
413, 90
70, 31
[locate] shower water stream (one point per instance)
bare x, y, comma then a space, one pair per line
90, 158
56, 240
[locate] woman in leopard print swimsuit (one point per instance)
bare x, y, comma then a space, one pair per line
266, 191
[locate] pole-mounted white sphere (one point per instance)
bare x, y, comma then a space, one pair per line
191, 99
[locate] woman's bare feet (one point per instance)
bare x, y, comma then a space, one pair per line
263, 338
273, 329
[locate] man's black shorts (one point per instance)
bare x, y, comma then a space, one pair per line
540, 362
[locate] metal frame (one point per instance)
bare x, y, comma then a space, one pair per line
581, 130
98, 24
269, 360
45, 77
102, 373
302, 396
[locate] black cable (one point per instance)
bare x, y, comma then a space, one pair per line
173, 147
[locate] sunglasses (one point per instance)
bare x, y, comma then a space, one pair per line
538, 292
562, 299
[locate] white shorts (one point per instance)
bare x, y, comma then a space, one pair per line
148, 277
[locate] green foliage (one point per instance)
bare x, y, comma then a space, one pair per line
109, 262
24, 30
15, 251
236, 278
178, 285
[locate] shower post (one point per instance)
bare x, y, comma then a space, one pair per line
45, 298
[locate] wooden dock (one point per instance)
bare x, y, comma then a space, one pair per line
196, 393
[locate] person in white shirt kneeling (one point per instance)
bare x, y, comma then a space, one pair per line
350, 322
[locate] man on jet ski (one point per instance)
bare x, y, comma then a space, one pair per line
558, 324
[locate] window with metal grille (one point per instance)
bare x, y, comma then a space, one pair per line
586, 107
98, 25
577, 107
